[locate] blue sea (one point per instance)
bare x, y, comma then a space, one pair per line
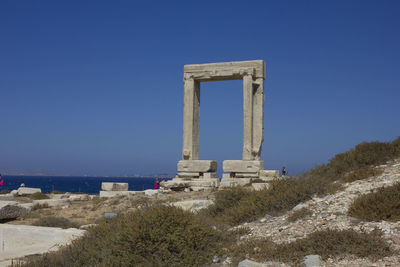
74, 184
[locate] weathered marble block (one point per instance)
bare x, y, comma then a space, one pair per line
197, 166
114, 186
245, 166
28, 191
268, 173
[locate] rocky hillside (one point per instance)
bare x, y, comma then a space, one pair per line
331, 212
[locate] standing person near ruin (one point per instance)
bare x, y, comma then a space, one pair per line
1, 180
157, 184
284, 172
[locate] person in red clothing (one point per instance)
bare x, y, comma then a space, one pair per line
157, 184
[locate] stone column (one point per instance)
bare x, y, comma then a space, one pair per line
247, 117
258, 118
191, 114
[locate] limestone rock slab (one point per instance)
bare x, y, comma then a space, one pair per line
109, 194
232, 182
245, 166
268, 173
6, 196
197, 166
24, 240
28, 191
82, 197
193, 205
106, 186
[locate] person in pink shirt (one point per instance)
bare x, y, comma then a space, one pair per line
1, 180
157, 184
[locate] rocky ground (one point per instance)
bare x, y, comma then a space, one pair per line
330, 212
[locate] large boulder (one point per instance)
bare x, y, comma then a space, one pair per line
28, 191
193, 205
79, 197
114, 186
12, 210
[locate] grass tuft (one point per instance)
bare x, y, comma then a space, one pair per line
38, 195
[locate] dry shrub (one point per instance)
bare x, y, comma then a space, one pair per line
38, 195
326, 243
4, 191
299, 214
384, 204
361, 174
52, 221
153, 236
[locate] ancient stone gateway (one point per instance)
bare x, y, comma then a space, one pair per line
203, 172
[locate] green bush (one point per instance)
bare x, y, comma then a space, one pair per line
326, 243
153, 236
384, 204
299, 214
38, 195
52, 221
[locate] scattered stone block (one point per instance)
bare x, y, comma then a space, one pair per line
193, 205
249, 263
28, 191
151, 192
209, 175
311, 261
246, 175
268, 173
52, 202
188, 174
260, 186
109, 215
23, 240
232, 182
11, 210
14, 192
105, 186
109, 194
197, 166
247, 166
74, 197
6, 196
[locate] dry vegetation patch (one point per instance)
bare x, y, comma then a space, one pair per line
384, 204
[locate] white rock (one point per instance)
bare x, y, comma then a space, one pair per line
311, 261
260, 186
6, 196
109, 194
28, 191
193, 205
105, 186
151, 192
74, 197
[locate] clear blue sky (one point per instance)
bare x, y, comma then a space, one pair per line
96, 87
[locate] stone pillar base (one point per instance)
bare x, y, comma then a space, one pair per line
180, 184
197, 169
243, 168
